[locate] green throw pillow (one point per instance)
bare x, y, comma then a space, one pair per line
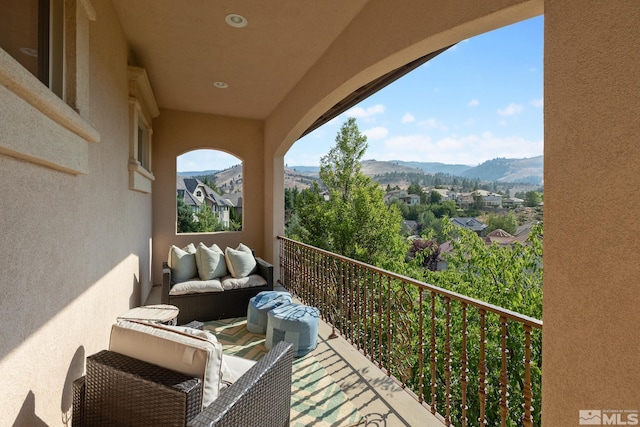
183, 263
240, 261
210, 262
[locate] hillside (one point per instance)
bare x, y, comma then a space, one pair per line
396, 172
509, 170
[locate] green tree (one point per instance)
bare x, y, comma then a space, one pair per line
185, 222
506, 276
354, 221
532, 198
435, 197
507, 222
207, 221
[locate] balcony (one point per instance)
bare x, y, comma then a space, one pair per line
462, 361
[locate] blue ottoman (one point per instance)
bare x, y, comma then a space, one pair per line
293, 323
260, 305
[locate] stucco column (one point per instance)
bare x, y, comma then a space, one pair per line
591, 338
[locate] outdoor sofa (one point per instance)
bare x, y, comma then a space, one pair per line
215, 289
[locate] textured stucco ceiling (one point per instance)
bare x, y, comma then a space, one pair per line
187, 46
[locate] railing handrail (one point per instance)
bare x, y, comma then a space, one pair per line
500, 311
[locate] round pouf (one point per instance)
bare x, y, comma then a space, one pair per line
293, 323
260, 305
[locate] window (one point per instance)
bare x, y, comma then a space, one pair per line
47, 42
142, 109
32, 32
209, 192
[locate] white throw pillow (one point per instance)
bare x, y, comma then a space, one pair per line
183, 263
240, 261
210, 262
194, 353
196, 287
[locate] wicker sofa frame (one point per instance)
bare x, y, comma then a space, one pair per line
122, 391
214, 305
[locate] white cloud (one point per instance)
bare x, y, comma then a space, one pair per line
376, 133
502, 122
511, 110
408, 118
432, 123
538, 102
365, 113
473, 103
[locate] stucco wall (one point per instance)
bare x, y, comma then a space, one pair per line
177, 132
591, 339
75, 248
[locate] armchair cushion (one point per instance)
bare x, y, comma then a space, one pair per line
196, 353
240, 261
183, 262
210, 262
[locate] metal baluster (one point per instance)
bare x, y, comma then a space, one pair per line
421, 346
504, 380
447, 361
527, 420
433, 353
482, 369
389, 343
463, 366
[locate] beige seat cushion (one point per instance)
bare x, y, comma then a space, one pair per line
251, 281
196, 286
196, 353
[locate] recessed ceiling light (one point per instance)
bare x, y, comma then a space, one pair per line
221, 85
236, 21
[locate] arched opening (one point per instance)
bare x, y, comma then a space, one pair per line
208, 192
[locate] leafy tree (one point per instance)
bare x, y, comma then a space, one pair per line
506, 276
508, 223
532, 198
186, 222
208, 221
435, 197
355, 221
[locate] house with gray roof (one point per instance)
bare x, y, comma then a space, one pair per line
196, 194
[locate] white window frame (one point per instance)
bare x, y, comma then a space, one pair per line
142, 109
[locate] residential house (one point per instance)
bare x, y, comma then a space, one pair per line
392, 195
134, 84
196, 194
410, 199
512, 202
492, 200
471, 224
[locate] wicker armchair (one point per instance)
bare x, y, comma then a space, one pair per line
121, 391
214, 305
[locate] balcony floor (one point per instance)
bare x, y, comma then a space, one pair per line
378, 398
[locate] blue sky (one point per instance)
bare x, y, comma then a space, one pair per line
479, 100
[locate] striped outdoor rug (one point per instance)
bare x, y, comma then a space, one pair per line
316, 399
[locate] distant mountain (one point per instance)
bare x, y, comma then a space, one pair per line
526, 171
434, 167
305, 169
198, 173
509, 170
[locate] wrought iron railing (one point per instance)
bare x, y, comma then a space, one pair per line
469, 362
